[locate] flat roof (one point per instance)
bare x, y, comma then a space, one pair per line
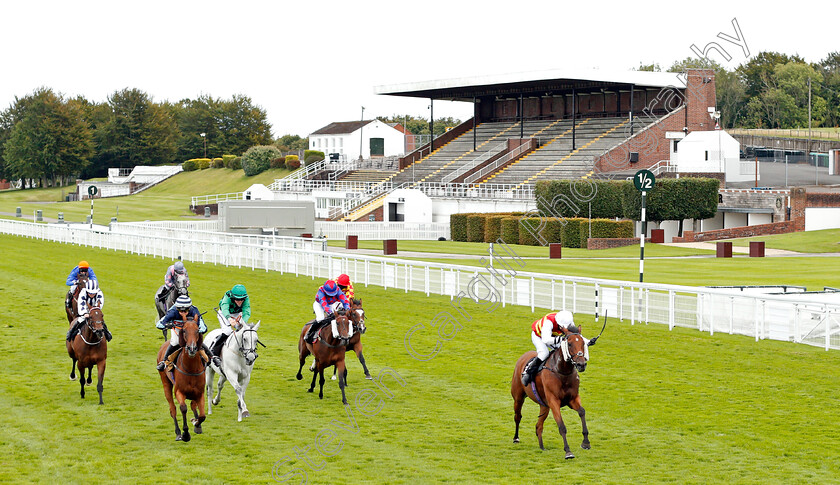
556, 80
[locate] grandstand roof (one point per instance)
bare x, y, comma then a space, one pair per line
542, 82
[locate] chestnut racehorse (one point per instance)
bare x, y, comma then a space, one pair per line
73, 309
188, 376
357, 318
555, 386
328, 350
89, 348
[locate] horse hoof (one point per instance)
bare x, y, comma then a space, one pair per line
368, 377
516, 440
179, 438
72, 377
569, 455
197, 429
299, 376
310, 390
216, 402
246, 414
586, 446
186, 437
333, 377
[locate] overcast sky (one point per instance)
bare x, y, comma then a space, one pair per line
309, 63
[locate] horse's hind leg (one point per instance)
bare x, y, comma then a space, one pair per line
362, 360
575, 404
218, 397
342, 382
314, 376
517, 413
73, 370
100, 371
321, 382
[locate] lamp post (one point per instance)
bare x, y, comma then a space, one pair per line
204, 136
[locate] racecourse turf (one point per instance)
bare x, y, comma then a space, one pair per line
662, 406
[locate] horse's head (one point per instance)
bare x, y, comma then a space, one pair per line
247, 338
357, 315
342, 328
96, 322
575, 350
189, 337
181, 284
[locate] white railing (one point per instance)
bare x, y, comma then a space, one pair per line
177, 230
307, 186
191, 225
662, 166
473, 162
197, 200
302, 173
792, 317
383, 230
483, 191
498, 163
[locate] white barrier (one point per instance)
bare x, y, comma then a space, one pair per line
383, 230
788, 317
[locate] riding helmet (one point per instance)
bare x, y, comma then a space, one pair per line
330, 288
83, 265
183, 301
179, 267
238, 292
343, 280
91, 286
565, 318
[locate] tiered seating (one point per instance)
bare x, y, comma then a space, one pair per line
555, 158
366, 176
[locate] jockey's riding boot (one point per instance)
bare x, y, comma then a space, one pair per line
162, 364
67, 300
530, 370
213, 358
108, 335
217, 347
71, 334
310, 334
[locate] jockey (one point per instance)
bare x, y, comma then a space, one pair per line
343, 282
547, 332
234, 310
182, 310
325, 300
73, 278
90, 297
169, 278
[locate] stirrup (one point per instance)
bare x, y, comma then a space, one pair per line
161, 365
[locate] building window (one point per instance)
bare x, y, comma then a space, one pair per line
676, 142
707, 155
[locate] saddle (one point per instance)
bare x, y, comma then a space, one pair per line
170, 361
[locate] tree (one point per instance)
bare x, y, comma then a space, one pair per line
133, 130
756, 73
784, 102
649, 67
257, 159
830, 70
290, 143
694, 63
49, 141
419, 125
242, 124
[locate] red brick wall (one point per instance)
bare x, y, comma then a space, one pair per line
744, 231
826, 199
798, 203
612, 242
379, 215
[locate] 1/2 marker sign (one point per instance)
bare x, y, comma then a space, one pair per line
644, 180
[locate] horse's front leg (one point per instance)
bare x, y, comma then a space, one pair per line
240, 394
182, 405
81, 378
100, 372
208, 387
73, 369
314, 376
90, 372
555, 405
342, 379
218, 397
198, 412
358, 350
320, 372
575, 404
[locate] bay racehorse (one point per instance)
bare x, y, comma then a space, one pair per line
328, 350
89, 348
238, 355
554, 386
73, 309
179, 288
187, 379
357, 319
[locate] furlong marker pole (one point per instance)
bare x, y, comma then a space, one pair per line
91, 212
642, 241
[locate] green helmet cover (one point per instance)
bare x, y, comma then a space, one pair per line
238, 291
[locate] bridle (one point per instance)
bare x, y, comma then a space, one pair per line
342, 341
359, 321
243, 351
567, 355
182, 338
98, 332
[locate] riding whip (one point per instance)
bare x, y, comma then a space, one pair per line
592, 342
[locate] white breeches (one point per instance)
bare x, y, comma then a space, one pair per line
173, 336
542, 348
320, 315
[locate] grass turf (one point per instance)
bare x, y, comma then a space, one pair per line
662, 407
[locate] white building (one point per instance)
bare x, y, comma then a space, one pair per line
710, 152
375, 138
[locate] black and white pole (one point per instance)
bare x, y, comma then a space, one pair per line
642, 240
91, 212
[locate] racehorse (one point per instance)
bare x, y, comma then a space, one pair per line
188, 377
73, 309
555, 386
179, 288
328, 350
89, 348
238, 356
357, 318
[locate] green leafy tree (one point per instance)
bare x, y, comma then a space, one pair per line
830, 89
257, 159
784, 102
290, 143
654, 67
49, 141
756, 73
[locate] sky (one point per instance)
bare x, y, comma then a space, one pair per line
310, 63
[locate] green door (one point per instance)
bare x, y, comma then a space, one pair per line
377, 147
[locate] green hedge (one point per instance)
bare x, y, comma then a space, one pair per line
575, 198
278, 162
258, 159
674, 200
602, 228
458, 227
189, 165
510, 230
218, 163
312, 156
571, 232
204, 163
227, 159
235, 163
529, 228
475, 227
493, 227
292, 162
553, 230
